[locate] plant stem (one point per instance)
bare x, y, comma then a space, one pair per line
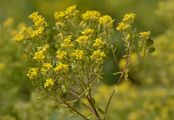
93, 107
72, 108
107, 106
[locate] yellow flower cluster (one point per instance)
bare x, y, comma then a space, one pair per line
48, 83
91, 15
88, 31
98, 42
126, 23
32, 73
20, 36
82, 39
60, 67
70, 11
67, 42
129, 18
144, 35
38, 20
39, 55
122, 26
98, 55
106, 21
46, 67
78, 54
59, 15
34, 31
61, 54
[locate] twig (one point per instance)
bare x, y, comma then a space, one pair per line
72, 108
108, 103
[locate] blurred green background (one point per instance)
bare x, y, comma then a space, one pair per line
149, 95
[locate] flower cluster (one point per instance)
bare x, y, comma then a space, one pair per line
126, 23
38, 28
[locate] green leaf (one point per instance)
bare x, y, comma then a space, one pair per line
152, 49
149, 42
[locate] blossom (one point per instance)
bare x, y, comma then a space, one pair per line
91, 15
60, 67
32, 73
98, 55
59, 15
122, 26
106, 20
67, 42
88, 31
71, 11
48, 83
46, 67
98, 42
61, 54
82, 39
144, 35
129, 18
78, 54
39, 55
37, 19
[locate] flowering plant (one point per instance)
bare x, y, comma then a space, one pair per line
68, 58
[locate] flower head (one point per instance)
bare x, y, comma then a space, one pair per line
98, 42
98, 55
46, 67
48, 83
88, 31
122, 26
106, 20
129, 18
67, 42
37, 19
61, 54
78, 54
91, 15
32, 73
144, 35
60, 67
82, 39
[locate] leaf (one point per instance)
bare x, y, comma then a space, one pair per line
152, 49
149, 42
117, 73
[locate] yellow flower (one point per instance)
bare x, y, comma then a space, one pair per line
129, 18
82, 39
91, 15
71, 11
38, 20
78, 54
19, 37
61, 54
46, 67
67, 42
144, 35
39, 55
122, 26
59, 15
88, 31
98, 55
106, 20
60, 67
48, 83
35, 33
32, 73
98, 42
